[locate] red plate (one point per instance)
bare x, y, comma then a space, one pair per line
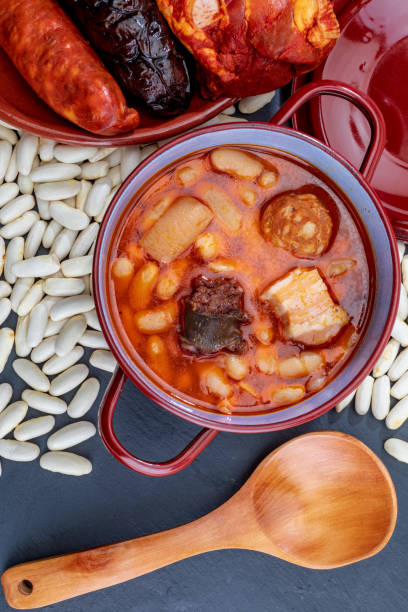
371, 55
21, 107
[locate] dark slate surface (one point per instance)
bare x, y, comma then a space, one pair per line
43, 514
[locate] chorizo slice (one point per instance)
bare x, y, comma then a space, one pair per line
299, 223
50, 53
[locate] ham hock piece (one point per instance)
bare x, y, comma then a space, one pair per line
248, 47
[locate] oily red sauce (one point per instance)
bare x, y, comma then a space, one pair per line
258, 264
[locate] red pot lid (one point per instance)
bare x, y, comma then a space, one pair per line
371, 55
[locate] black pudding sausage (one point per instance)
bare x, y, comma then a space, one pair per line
137, 46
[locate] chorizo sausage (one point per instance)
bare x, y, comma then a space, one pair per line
136, 44
61, 67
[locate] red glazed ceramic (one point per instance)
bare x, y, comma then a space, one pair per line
385, 273
372, 55
21, 107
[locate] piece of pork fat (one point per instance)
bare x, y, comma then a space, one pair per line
302, 301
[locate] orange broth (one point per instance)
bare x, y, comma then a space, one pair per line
258, 265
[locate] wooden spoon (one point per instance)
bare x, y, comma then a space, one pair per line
321, 500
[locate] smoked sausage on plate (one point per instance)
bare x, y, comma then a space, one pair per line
61, 67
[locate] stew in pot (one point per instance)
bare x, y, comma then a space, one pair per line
239, 279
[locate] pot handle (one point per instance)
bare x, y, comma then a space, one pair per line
366, 105
149, 468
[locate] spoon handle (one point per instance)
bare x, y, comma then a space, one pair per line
47, 581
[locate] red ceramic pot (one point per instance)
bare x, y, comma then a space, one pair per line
385, 272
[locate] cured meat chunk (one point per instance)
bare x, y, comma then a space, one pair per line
303, 303
299, 223
61, 67
213, 315
248, 47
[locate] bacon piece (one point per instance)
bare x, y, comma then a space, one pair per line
303, 303
61, 67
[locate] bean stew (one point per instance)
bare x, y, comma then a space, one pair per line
239, 279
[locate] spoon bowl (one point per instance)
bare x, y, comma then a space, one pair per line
321, 501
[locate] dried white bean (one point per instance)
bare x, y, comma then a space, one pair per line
84, 241
363, 396
400, 332
71, 435
40, 266
5, 289
34, 428
82, 196
2, 254
252, 104
6, 391
400, 387
15, 208
77, 266
58, 190
84, 398
14, 253
97, 196
63, 462
102, 153
398, 414
69, 154
48, 173
27, 148
36, 325
8, 134
6, 151
130, 158
400, 366
25, 184
8, 191
18, 451
22, 348
94, 170
44, 351
11, 416
11, 173
56, 364
92, 320
34, 238
68, 380
30, 299
100, 216
103, 360
345, 402
70, 334
230, 110
44, 209
49, 301
403, 304
93, 339
64, 287
54, 327
6, 346
5, 309
387, 358
397, 449
63, 243
20, 226
380, 401
68, 217
31, 374
44, 402
114, 176
21, 291
46, 149
114, 158
50, 234
401, 249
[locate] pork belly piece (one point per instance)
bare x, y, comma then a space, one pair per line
303, 303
